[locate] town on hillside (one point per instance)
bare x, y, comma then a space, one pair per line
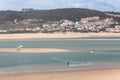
87, 24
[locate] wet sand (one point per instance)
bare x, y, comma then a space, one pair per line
32, 50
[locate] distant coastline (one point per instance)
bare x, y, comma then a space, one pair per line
67, 35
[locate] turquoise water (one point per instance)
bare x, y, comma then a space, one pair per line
106, 55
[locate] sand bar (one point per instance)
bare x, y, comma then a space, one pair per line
56, 35
33, 50
106, 74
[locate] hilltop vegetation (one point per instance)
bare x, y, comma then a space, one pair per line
50, 15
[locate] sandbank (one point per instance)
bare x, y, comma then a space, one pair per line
66, 35
32, 50
106, 74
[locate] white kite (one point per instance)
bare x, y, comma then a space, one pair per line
19, 47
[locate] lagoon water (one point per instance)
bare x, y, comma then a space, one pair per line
82, 56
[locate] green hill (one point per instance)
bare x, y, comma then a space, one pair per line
51, 15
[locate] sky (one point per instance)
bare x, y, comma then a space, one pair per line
102, 5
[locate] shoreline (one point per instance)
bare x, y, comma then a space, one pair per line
33, 50
67, 35
101, 74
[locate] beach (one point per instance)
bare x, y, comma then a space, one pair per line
95, 74
67, 35
106, 74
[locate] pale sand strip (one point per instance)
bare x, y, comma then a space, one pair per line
108, 74
56, 35
33, 50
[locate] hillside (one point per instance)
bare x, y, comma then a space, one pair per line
115, 15
51, 15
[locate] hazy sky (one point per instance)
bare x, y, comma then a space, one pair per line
103, 5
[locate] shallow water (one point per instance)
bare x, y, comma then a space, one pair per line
106, 55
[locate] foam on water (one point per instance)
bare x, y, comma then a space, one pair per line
59, 59
103, 52
98, 52
73, 63
81, 64
63, 60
